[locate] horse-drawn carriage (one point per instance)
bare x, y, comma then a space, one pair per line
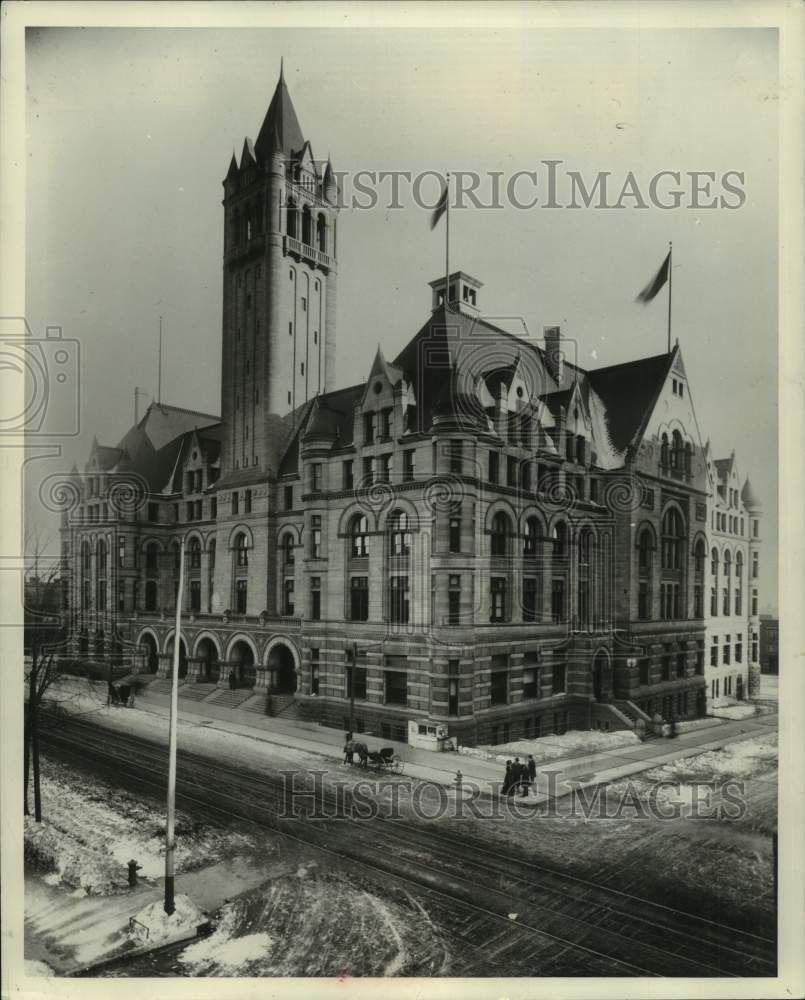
383, 759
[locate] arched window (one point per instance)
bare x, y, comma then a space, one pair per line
673, 538
307, 227
321, 233
688, 457
242, 550
559, 539
177, 556
714, 563
584, 585
500, 534
358, 532
664, 459
195, 553
211, 551
677, 450
531, 538
645, 552
739, 566
727, 565
151, 595
698, 558
400, 534
292, 220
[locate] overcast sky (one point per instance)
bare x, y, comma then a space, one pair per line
131, 131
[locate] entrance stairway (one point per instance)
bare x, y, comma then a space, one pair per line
196, 692
284, 705
231, 699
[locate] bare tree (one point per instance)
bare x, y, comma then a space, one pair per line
43, 639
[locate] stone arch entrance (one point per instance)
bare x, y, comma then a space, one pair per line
182, 657
209, 670
152, 656
241, 660
281, 664
602, 677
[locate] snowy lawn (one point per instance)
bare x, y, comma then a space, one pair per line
90, 831
735, 712
573, 744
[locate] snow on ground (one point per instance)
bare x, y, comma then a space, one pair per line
571, 744
153, 925
319, 924
734, 712
90, 831
36, 968
743, 759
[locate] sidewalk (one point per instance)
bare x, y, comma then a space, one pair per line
440, 768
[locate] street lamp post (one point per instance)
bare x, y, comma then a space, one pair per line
174, 712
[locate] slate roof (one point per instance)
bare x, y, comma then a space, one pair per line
280, 131
628, 392
749, 497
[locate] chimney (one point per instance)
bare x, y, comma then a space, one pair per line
554, 356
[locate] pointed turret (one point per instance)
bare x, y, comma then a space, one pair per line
232, 173
247, 155
330, 182
280, 131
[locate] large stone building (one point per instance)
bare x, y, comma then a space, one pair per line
733, 518
481, 533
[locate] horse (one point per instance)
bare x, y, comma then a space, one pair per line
353, 747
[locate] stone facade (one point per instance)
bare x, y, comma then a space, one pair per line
481, 534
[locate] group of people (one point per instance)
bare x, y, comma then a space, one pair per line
519, 776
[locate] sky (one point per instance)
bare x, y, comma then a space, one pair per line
130, 133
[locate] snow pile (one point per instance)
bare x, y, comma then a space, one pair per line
740, 760
224, 952
153, 925
735, 712
555, 747
90, 832
35, 968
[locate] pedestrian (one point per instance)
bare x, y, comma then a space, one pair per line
521, 776
531, 767
133, 869
232, 680
507, 781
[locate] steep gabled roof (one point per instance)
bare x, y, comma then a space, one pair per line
629, 392
280, 131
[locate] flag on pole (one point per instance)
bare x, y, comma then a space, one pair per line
656, 283
441, 207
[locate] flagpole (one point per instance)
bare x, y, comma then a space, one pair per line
670, 278
447, 245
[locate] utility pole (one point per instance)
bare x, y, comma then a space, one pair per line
159, 371
169, 829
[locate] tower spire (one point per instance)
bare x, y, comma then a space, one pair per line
280, 131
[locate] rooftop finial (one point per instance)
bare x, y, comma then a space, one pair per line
282, 74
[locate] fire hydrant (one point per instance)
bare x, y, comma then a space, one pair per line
133, 869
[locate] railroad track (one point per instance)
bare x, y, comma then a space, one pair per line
617, 933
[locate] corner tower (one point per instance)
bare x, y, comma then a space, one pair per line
279, 295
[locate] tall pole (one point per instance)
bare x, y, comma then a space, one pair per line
353, 671
169, 829
670, 278
447, 244
159, 372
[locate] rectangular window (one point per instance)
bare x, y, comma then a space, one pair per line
559, 678
498, 594
240, 597
121, 551
726, 651
739, 649
195, 595
234, 503
558, 600
643, 668
530, 683
315, 598
499, 690
511, 471
399, 605
287, 597
408, 465
368, 428
315, 536
754, 603
666, 662
368, 471
316, 476
396, 687
386, 424
725, 603
755, 528
153, 512
347, 474
454, 599
494, 466
314, 671
360, 682
288, 498
452, 687
456, 457
680, 664
594, 491
644, 601
714, 652
247, 502
755, 565
698, 603
529, 599
385, 468
359, 598
455, 528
